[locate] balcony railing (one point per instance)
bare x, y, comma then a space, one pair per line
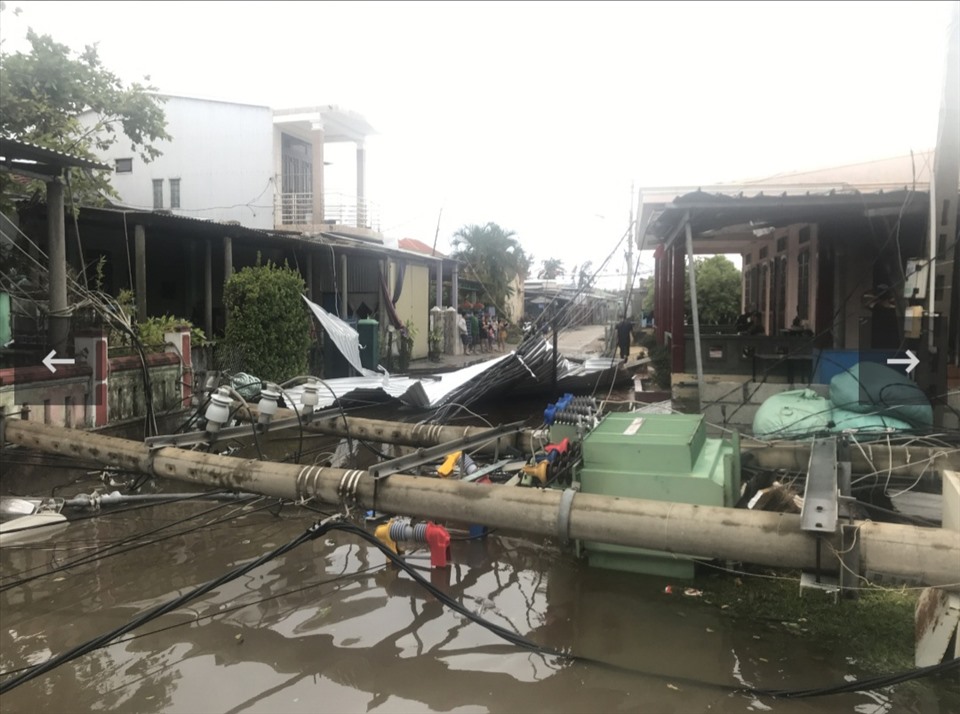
296, 209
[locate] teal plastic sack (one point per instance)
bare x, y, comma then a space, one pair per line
846, 420
796, 414
871, 388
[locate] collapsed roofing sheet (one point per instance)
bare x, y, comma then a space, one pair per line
530, 365
345, 337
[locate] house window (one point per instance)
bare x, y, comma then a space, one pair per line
764, 252
804, 235
781, 244
157, 194
174, 193
803, 284
124, 166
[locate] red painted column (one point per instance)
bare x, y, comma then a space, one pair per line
90, 346
658, 293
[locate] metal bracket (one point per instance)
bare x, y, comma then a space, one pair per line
201, 437
820, 509
422, 456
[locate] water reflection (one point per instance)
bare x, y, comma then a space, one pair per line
333, 627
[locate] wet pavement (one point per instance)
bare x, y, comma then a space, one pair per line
332, 626
572, 342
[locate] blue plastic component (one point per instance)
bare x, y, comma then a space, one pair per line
562, 403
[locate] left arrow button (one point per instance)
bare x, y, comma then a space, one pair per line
50, 361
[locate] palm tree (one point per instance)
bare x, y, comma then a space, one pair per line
584, 276
552, 269
493, 257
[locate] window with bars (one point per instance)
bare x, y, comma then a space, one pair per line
157, 194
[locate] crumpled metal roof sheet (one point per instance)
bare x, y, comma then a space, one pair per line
530, 364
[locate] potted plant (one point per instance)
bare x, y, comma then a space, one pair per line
407, 334
436, 343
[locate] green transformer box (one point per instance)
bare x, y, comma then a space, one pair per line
659, 457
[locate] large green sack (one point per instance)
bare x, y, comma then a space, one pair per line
866, 424
871, 388
796, 414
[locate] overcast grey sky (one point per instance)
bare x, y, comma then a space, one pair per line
539, 115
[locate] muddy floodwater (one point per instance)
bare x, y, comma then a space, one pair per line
333, 627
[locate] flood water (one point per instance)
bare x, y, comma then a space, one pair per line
332, 627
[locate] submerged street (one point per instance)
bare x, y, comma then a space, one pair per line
332, 626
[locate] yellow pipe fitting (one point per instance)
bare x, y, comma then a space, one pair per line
383, 535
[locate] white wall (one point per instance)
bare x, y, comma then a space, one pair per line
223, 155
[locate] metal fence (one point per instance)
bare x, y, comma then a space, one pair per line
296, 209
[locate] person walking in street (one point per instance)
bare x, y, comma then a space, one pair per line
502, 334
624, 330
464, 333
474, 332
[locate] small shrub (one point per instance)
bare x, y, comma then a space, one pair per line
269, 328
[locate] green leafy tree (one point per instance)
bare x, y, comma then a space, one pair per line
43, 94
493, 257
268, 332
552, 269
718, 291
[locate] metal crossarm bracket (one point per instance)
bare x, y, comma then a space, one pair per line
422, 456
201, 437
820, 506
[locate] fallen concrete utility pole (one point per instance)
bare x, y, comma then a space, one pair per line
396, 432
929, 554
911, 461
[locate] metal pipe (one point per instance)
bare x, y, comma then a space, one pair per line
694, 306
929, 554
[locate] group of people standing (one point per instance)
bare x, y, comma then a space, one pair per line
483, 331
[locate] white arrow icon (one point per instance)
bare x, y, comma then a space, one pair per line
910, 360
49, 361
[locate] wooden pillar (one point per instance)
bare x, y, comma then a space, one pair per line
208, 287
439, 291
316, 138
59, 329
309, 276
344, 311
658, 293
227, 258
227, 271
140, 256
361, 186
455, 286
